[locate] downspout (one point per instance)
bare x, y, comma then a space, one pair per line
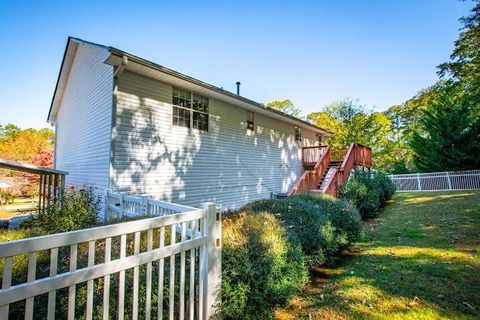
122, 67
113, 137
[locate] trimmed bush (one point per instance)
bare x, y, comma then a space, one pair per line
368, 192
344, 216
261, 268
268, 246
321, 224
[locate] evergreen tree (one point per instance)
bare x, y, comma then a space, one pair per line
464, 64
448, 137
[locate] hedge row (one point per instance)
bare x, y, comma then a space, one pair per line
368, 192
269, 245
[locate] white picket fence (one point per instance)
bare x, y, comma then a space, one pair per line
120, 205
437, 181
174, 258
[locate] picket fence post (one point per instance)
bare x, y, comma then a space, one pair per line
122, 205
143, 205
213, 260
449, 181
419, 182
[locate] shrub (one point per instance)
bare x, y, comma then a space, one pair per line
7, 197
269, 244
76, 209
368, 192
261, 268
344, 216
386, 186
321, 225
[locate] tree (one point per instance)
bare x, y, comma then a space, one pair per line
344, 119
405, 119
324, 120
449, 133
464, 64
286, 106
31, 146
9, 130
350, 122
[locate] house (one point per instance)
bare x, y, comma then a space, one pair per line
130, 125
5, 186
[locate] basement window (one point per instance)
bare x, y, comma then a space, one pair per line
189, 110
298, 134
250, 121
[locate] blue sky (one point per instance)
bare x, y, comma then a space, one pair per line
380, 52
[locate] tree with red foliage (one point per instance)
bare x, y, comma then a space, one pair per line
30, 146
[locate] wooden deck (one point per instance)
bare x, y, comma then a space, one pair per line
320, 162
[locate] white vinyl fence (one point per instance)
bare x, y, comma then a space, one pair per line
163, 267
119, 205
437, 181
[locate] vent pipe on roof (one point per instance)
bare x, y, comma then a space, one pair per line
238, 88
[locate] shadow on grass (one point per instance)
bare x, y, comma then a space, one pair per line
419, 260
398, 281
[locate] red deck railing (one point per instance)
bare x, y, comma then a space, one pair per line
357, 155
316, 161
311, 155
311, 178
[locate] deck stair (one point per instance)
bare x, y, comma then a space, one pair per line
327, 170
332, 167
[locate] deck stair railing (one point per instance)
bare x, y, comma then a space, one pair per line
356, 155
311, 179
320, 160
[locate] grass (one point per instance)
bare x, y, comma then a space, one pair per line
5, 214
419, 260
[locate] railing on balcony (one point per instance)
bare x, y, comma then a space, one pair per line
312, 155
311, 178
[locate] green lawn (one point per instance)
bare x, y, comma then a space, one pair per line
419, 260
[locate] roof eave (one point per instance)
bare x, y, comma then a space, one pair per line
120, 54
65, 67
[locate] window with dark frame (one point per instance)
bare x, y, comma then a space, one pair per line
250, 121
298, 134
189, 110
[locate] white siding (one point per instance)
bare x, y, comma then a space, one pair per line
227, 165
83, 126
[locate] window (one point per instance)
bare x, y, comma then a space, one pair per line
189, 110
298, 134
250, 123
